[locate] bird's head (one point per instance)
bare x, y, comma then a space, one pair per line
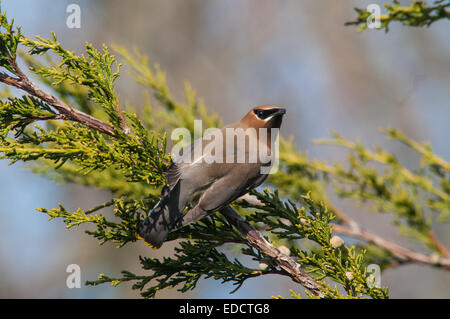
267, 116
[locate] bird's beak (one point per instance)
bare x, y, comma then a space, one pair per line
280, 111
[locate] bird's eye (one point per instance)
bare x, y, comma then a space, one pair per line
260, 114
264, 114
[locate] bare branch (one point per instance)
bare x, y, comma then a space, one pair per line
403, 253
285, 262
439, 246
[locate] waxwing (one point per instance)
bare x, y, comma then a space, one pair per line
227, 166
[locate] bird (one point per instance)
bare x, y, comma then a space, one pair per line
208, 186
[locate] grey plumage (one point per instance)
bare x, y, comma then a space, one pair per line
209, 186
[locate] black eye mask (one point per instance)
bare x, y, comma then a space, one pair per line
263, 114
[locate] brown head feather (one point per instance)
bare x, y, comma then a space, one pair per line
273, 120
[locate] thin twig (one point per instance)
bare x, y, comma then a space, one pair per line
125, 127
439, 246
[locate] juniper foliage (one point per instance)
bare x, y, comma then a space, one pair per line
128, 158
417, 14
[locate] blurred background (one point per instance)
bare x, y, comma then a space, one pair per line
236, 54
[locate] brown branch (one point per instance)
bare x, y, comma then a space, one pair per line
403, 253
352, 228
439, 246
285, 262
66, 111
126, 128
344, 217
250, 199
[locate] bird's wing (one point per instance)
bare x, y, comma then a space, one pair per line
188, 162
173, 175
222, 193
181, 162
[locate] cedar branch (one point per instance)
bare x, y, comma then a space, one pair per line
66, 111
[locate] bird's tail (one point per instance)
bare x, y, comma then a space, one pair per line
160, 221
